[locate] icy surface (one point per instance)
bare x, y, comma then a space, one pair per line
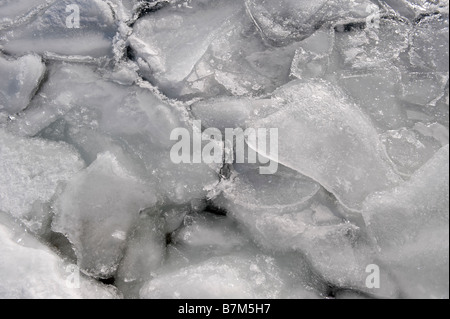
357, 89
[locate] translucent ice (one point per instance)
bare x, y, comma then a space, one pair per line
20, 79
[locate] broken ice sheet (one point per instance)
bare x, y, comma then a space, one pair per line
19, 80
48, 31
410, 225
31, 270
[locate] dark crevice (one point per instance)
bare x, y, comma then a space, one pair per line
425, 15
108, 281
349, 27
212, 208
130, 53
331, 292
62, 245
149, 7
169, 239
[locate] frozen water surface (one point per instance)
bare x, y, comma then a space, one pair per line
359, 93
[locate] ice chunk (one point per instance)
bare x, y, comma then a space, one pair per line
410, 225
336, 145
97, 210
56, 30
284, 21
20, 79
219, 278
31, 270
30, 172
